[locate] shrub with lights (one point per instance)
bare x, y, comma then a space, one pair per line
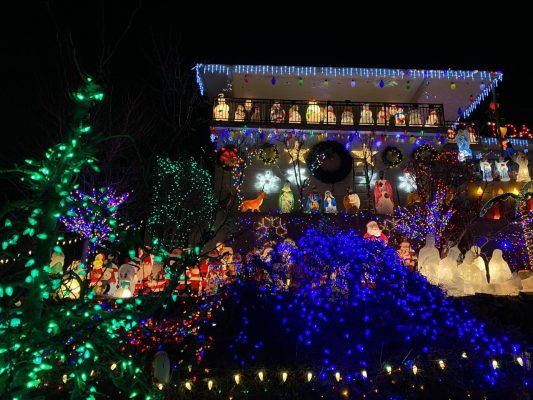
355, 319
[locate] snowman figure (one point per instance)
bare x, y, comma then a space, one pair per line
486, 170
127, 278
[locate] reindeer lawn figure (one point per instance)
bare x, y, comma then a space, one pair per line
253, 205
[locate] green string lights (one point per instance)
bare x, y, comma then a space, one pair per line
183, 202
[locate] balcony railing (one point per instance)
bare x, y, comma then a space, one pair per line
327, 114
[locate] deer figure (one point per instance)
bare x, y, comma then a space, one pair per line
253, 205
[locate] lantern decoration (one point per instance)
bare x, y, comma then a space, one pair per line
453, 86
381, 83
229, 157
300, 81
246, 78
326, 83
391, 156
352, 83
408, 85
273, 81
268, 153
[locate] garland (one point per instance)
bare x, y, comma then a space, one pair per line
320, 158
391, 157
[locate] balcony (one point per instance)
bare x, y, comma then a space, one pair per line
333, 115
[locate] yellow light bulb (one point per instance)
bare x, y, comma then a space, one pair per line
309, 376
210, 384
188, 385
237, 378
520, 361
442, 365
337, 376
494, 364
260, 375
113, 366
415, 369
284, 376
364, 374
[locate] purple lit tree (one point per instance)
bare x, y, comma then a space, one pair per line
420, 220
93, 216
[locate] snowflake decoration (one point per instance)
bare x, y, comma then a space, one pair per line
292, 174
407, 182
272, 226
268, 182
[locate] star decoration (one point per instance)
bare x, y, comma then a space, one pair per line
364, 154
297, 153
271, 224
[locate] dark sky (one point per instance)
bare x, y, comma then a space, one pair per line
32, 64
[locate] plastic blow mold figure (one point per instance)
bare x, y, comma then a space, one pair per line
503, 169
330, 205
286, 199
221, 110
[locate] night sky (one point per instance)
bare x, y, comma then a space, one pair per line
34, 64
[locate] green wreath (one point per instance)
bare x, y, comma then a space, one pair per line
268, 153
329, 162
391, 157
424, 152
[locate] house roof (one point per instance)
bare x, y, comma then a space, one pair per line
460, 91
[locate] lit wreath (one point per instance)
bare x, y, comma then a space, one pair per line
269, 154
329, 162
391, 156
424, 152
229, 157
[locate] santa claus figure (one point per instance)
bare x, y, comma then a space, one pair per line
373, 233
221, 110
277, 114
330, 115
383, 195
347, 116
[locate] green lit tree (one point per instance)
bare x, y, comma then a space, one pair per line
46, 342
183, 203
